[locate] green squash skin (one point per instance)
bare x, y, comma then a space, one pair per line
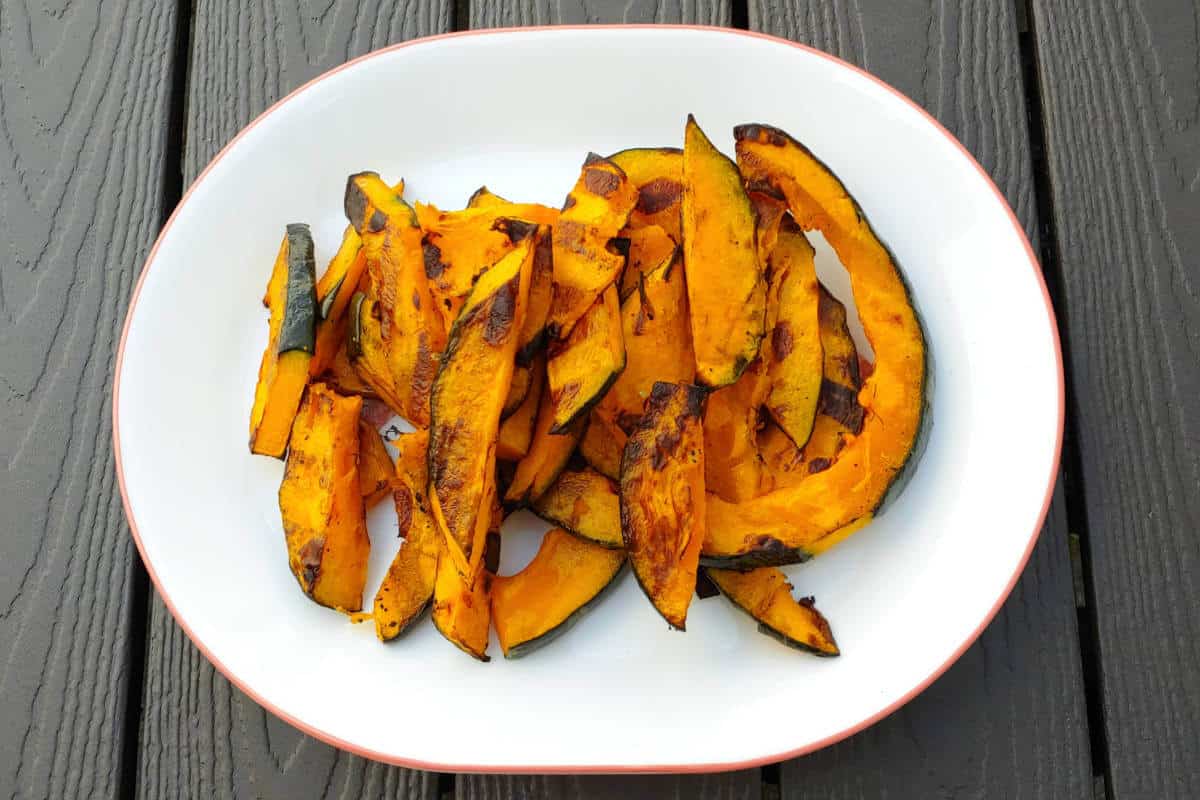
299, 328
525, 648
770, 553
354, 327
331, 298
585, 410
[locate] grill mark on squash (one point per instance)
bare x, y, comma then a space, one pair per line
658, 195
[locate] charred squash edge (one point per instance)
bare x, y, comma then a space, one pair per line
779, 635
539, 507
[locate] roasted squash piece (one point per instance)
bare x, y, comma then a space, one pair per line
662, 497
518, 388
766, 595
376, 473
586, 258
407, 588
460, 245
541, 291
564, 580
320, 500
657, 339
366, 351
602, 445
547, 456
291, 334
516, 431
342, 376
649, 247
727, 291
733, 468
483, 197
581, 368
468, 396
795, 357
657, 175
337, 284
585, 504
795, 519
462, 611
769, 211
410, 327
842, 378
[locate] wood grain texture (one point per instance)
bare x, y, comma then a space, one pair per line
200, 736
1121, 89
84, 91
1007, 720
514, 13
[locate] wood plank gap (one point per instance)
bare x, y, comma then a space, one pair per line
1072, 466
139, 612
770, 781
446, 784
740, 15
461, 20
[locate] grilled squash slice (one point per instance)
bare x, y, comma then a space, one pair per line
516, 431
547, 456
602, 445
585, 504
657, 175
376, 473
766, 595
649, 247
462, 610
582, 367
321, 503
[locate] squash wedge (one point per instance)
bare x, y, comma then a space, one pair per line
547, 456
516, 430
324, 520
342, 376
733, 468
410, 327
602, 445
586, 259
367, 353
766, 595
657, 340
657, 175
564, 580
585, 504
795, 356
648, 248
662, 498
337, 284
581, 368
407, 588
795, 519
467, 398
376, 472
291, 333
727, 290
461, 610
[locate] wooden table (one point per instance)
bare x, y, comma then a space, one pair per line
1085, 112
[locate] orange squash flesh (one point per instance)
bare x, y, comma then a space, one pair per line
407, 588
766, 595
334, 289
727, 291
586, 260
321, 502
649, 247
516, 431
547, 456
284, 370
657, 341
733, 468
657, 175
341, 375
582, 368
794, 356
662, 498
586, 504
410, 327
793, 520
468, 396
545, 599
462, 610
367, 353
601, 446
376, 473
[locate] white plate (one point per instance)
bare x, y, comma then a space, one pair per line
518, 110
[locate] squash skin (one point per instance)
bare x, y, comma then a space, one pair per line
585, 504
406, 591
467, 398
566, 578
291, 339
662, 498
656, 173
586, 260
797, 518
516, 430
657, 340
583, 367
795, 355
376, 473
766, 595
321, 503
727, 290
602, 445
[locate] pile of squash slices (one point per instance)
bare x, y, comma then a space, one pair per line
655, 369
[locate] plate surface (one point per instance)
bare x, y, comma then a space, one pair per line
621, 692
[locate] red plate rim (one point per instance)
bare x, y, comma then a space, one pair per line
390, 758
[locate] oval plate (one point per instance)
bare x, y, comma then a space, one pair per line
518, 110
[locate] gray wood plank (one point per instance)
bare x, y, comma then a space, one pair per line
1008, 720
1121, 89
726, 786
200, 736
84, 92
